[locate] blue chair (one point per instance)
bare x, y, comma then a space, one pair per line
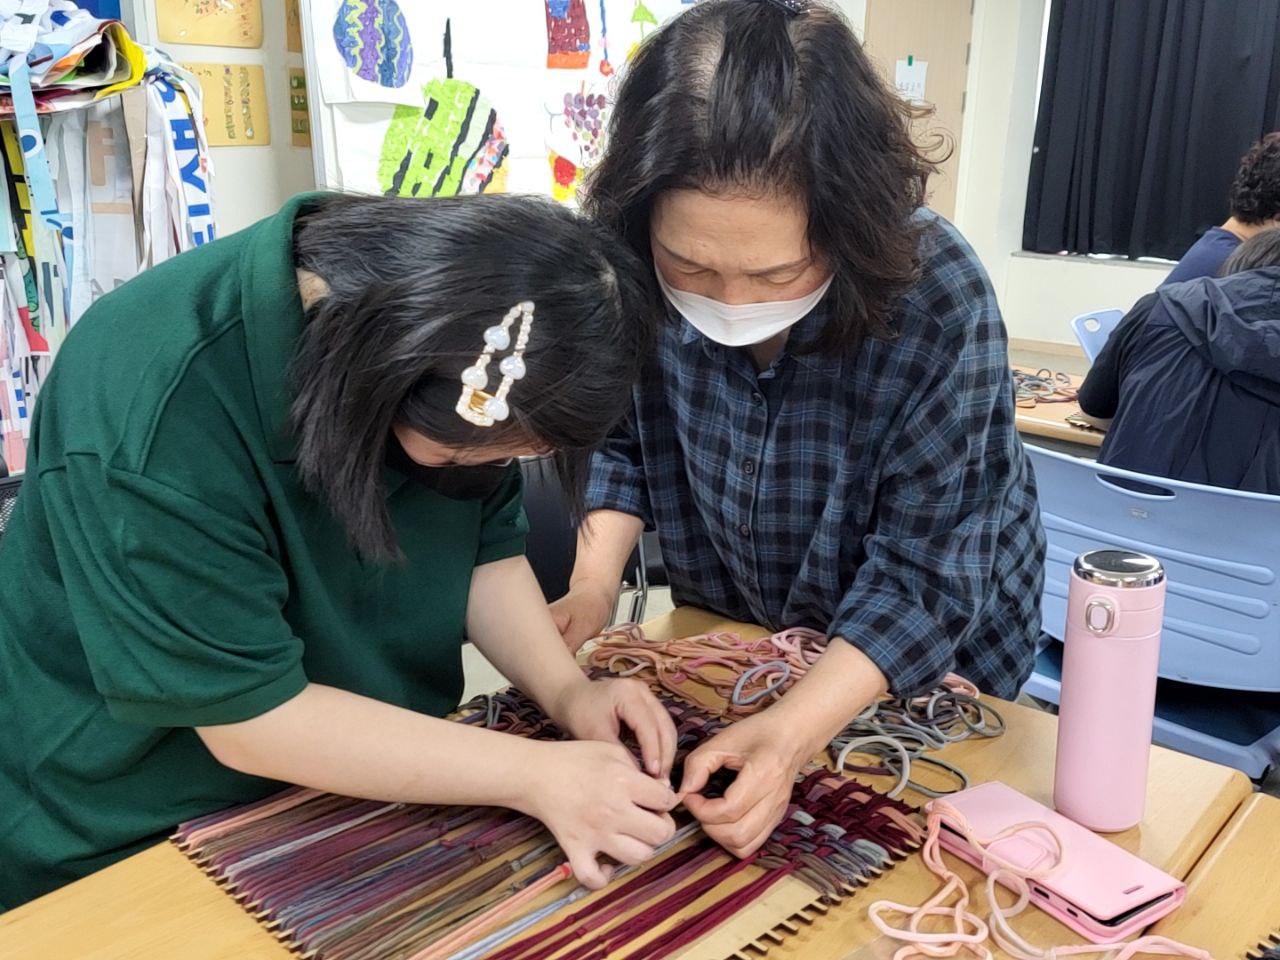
1220, 649
1093, 329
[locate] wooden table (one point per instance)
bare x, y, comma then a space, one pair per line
1233, 896
157, 906
1049, 420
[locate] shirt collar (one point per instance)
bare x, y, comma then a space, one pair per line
272, 312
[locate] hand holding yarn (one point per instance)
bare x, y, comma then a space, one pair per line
599, 709
594, 801
766, 759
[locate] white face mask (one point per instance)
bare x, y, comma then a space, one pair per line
741, 324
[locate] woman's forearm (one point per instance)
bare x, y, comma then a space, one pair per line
508, 620
831, 693
606, 540
340, 742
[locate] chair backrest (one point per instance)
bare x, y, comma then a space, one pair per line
1093, 329
8, 499
553, 540
1221, 553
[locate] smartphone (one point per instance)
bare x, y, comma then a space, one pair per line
1101, 891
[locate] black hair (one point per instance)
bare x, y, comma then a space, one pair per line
742, 95
1255, 192
1260, 250
412, 286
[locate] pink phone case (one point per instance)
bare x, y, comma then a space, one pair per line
1102, 892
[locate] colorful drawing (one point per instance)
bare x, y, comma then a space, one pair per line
566, 177
453, 144
606, 68
575, 138
644, 17
373, 38
568, 34
585, 116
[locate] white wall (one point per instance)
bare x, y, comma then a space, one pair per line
1042, 292
856, 12
1038, 294
249, 183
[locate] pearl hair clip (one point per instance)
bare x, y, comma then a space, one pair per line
485, 409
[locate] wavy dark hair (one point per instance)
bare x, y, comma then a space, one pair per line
1260, 250
412, 285
743, 96
1255, 192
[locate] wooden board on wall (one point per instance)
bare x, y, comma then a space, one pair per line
210, 22
937, 32
235, 103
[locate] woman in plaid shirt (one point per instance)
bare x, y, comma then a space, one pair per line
824, 436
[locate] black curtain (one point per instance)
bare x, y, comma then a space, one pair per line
1145, 110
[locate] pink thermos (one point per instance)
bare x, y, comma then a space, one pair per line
1111, 650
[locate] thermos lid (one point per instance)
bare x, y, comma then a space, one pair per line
1119, 568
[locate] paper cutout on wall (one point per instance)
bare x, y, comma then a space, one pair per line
374, 40
292, 26
214, 23
568, 34
299, 118
235, 104
452, 144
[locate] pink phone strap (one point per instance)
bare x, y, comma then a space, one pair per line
969, 934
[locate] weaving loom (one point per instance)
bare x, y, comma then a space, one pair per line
1268, 949
335, 878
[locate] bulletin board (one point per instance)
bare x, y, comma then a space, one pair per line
457, 96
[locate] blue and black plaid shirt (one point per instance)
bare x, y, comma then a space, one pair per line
883, 497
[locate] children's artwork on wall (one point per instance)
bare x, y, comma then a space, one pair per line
451, 144
422, 122
235, 103
214, 23
373, 38
568, 35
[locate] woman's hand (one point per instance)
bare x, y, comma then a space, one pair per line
584, 612
598, 709
594, 800
767, 755
769, 748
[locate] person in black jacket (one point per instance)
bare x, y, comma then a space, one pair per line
1190, 379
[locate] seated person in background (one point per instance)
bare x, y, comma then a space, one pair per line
1192, 378
1255, 206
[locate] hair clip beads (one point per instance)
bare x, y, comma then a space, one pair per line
793, 7
477, 406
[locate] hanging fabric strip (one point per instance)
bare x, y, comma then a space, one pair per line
180, 102
32, 141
